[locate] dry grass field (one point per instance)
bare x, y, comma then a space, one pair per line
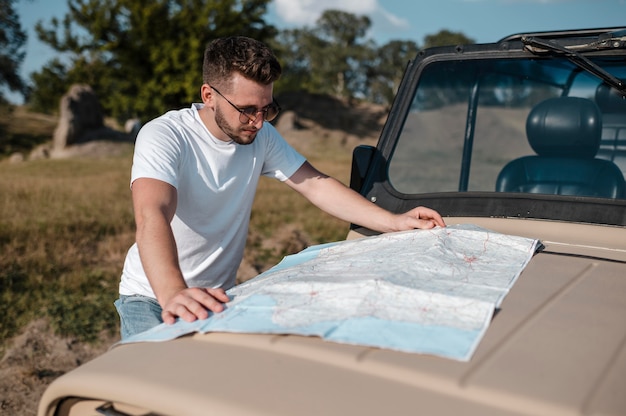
65, 226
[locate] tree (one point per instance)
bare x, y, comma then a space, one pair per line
51, 84
327, 58
290, 46
335, 58
446, 38
385, 73
12, 40
142, 57
338, 52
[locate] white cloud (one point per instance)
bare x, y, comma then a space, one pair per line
518, 1
389, 21
306, 12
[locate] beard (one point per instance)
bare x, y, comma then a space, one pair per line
243, 134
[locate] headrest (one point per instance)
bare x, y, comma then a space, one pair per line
609, 100
565, 126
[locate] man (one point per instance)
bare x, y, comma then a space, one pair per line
193, 180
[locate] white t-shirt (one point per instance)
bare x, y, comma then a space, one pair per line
216, 182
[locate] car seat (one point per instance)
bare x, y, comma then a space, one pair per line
613, 140
565, 134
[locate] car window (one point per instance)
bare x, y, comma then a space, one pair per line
439, 150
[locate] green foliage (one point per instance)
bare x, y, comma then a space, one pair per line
83, 307
341, 62
335, 58
51, 83
385, 72
446, 38
141, 58
144, 58
327, 58
12, 40
290, 47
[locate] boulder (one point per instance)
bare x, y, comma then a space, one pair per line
80, 113
16, 158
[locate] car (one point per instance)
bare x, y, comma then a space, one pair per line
525, 137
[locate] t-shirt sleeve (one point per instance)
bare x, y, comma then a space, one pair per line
157, 154
281, 159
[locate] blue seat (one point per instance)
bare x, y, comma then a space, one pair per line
565, 134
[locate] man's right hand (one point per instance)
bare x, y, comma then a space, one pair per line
194, 303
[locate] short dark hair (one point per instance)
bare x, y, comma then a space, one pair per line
249, 57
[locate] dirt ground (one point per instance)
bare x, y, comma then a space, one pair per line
37, 356
34, 359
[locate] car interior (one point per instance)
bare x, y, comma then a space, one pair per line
565, 133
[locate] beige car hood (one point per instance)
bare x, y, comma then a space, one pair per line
557, 346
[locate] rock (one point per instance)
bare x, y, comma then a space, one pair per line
80, 112
16, 158
287, 121
40, 152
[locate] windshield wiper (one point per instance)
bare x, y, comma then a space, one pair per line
537, 46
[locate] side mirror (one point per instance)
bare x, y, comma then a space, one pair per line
362, 156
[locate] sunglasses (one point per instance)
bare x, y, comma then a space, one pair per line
249, 114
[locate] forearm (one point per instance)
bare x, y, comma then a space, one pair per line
340, 201
159, 257
344, 203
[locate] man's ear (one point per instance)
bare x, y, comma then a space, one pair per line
206, 93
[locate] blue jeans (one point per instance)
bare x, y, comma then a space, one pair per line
137, 314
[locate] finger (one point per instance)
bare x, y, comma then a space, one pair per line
199, 304
219, 294
429, 213
213, 304
178, 310
200, 300
185, 306
168, 317
438, 220
426, 224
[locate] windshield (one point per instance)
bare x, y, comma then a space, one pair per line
467, 129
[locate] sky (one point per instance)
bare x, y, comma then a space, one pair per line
482, 20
